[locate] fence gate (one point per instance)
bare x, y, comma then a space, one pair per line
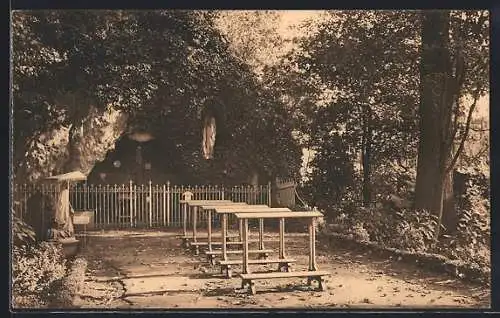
285, 192
137, 206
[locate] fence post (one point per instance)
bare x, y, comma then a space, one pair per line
164, 205
150, 205
168, 204
269, 193
131, 205
86, 197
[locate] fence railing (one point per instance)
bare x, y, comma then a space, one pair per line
132, 205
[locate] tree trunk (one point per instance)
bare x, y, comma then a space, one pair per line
449, 215
434, 189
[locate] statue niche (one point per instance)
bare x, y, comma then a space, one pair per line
209, 130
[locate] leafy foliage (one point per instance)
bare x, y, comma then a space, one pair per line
472, 242
415, 230
35, 270
410, 230
252, 36
357, 72
171, 64
352, 86
22, 232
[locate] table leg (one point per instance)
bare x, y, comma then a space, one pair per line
226, 227
224, 236
195, 215
312, 246
282, 239
241, 229
210, 230
261, 234
246, 269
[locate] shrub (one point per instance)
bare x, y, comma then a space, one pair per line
70, 285
22, 232
415, 230
472, 240
360, 233
35, 270
407, 229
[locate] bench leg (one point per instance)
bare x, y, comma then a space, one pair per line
229, 271
211, 260
243, 283
284, 267
321, 284
251, 288
263, 255
320, 280
184, 243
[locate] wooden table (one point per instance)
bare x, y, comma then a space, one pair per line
192, 206
312, 274
261, 251
208, 208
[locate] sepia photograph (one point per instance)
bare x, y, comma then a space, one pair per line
249, 159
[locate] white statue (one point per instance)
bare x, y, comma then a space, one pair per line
209, 132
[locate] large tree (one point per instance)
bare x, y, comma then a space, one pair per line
453, 65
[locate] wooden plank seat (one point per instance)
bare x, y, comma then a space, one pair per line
284, 265
212, 254
186, 239
248, 279
195, 246
205, 237
219, 243
219, 252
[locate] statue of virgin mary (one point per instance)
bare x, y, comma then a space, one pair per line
208, 141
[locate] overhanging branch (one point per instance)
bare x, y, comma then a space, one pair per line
465, 133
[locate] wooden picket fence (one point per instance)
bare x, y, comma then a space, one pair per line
132, 205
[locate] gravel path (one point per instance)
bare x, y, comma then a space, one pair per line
148, 269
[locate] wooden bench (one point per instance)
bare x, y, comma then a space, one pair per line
284, 265
312, 274
255, 209
248, 279
187, 241
193, 205
211, 254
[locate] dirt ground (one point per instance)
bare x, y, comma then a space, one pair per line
148, 269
